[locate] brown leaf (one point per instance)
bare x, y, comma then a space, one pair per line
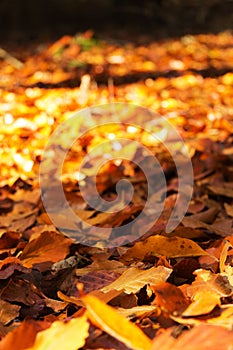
21, 291
189, 221
170, 298
222, 191
229, 209
48, 247
6, 205
16, 222
207, 216
97, 279
9, 265
8, 312
101, 263
9, 239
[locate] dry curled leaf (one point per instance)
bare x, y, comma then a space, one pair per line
8, 312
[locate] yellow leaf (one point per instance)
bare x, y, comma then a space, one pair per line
171, 247
134, 279
203, 303
110, 321
206, 292
137, 311
66, 336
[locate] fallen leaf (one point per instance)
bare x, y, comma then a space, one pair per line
189, 221
97, 279
203, 337
18, 222
137, 311
106, 318
8, 312
23, 336
207, 216
69, 335
49, 246
9, 265
224, 319
229, 209
170, 298
21, 291
222, 191
203, 302
171, 247
9, 239
134, 279
205, 293
101, 262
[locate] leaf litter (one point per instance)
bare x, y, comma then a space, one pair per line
166, 290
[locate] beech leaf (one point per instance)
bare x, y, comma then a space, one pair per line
109, 320
69, 335
48, 247
134, 279
171, 247
204, 337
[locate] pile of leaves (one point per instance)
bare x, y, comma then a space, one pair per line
166, 290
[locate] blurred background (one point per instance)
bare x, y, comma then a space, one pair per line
31, 20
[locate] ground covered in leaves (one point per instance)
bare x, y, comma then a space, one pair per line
167, 290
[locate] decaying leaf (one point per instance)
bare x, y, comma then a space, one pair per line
8, 312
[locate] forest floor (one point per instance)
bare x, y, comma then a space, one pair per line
166, 290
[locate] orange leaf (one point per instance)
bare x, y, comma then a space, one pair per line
48, 247
203, 302
171, 247
66, 335
23, 336
203, 337
170, 298
109, 320
205, 292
